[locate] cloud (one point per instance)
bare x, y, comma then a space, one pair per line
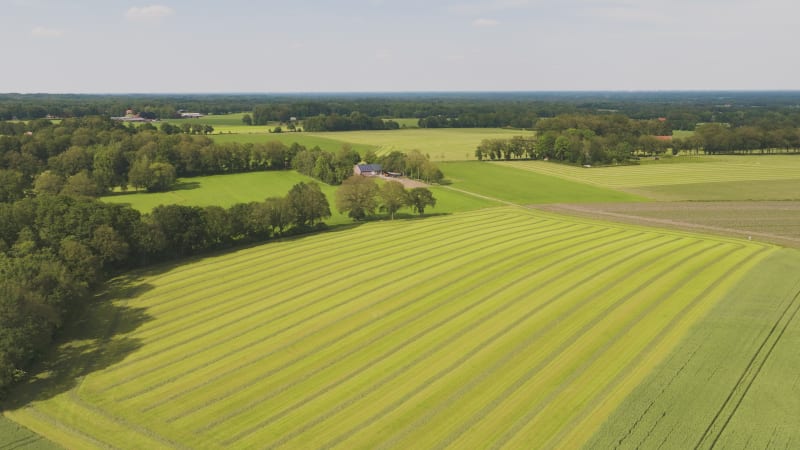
485, 23
43, 32
152, 13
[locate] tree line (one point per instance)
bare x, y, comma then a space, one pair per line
616, 139
682, 110
54, 249
92, 156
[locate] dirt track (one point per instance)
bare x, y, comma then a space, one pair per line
407, 182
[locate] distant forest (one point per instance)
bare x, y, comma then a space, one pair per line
682, 110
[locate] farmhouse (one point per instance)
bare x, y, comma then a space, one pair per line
367, 170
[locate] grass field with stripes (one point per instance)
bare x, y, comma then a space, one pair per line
501, 327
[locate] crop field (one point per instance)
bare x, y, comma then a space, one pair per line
14, 436
762, 177
226, 190
748, 347
526, 187
502, 328
441, 144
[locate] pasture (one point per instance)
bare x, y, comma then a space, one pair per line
226, 123
226, 190
308, 140
502, 328
441, 144
526, 187
745, 177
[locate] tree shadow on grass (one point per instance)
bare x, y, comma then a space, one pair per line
179, 186
97, 339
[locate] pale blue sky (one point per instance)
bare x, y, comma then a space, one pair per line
114, 46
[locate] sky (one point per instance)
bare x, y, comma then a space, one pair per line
181, 46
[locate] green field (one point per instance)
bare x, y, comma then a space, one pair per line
755, 395
226, 190
501, 327
441, 144
14, 436
308, 140
226, 123
757, 177
508, 183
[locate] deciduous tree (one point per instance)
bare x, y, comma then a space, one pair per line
357, 196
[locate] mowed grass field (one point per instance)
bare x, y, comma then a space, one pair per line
526, 187
502, 328
227, 190
757, 177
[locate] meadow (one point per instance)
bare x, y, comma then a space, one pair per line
326, 142
526, 187
441, 144
757, 177
501, 327
226, 123
227, 190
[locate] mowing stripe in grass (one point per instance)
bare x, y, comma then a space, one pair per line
387, 297
275, 262
662, 339
460, 361
532, 338
277, 292
529, 339
511, 260
524, 421
298, 296
477, 273
210, 401
419, 297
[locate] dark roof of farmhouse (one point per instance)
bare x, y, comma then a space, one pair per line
369, 167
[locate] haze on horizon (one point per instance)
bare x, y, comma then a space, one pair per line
181, 46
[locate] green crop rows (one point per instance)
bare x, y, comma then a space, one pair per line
494, 328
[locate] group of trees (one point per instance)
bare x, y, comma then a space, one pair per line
353, 121
54, 249
91, 156
360, 197
718, 138
583, 139
330, 168
413, 164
